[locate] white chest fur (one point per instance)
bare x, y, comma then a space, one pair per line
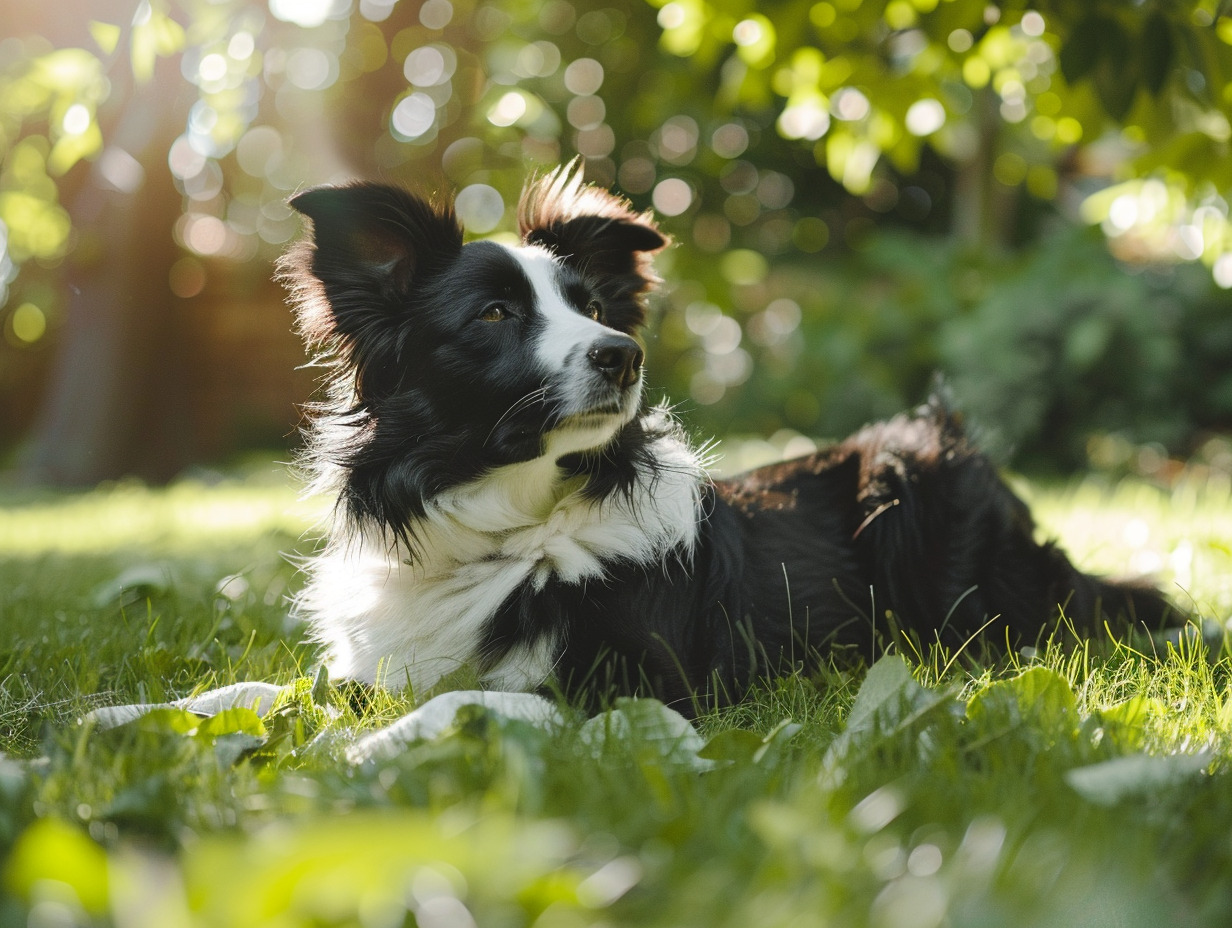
386, 616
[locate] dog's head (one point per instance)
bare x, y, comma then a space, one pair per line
453, 359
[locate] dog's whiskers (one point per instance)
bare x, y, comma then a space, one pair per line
534, 396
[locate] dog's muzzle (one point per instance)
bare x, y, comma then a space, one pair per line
618, 358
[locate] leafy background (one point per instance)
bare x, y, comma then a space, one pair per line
1028, 198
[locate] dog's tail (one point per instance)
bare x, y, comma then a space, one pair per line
1121, 603
1089, 602
945, 536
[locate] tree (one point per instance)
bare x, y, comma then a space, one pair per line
121, 137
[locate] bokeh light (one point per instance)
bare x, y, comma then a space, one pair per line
508, 110
120, 169
436, 14
29, 323
187, 277
480, 207
305, 13
924, 117
672, 196
413, 117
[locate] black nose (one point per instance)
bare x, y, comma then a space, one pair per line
618, 358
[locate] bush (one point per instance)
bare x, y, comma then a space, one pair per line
1043, 349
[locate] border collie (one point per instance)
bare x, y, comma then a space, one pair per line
507, 500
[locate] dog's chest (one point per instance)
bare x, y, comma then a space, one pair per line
410, 617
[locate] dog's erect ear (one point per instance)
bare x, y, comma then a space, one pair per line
598, 233
370, 243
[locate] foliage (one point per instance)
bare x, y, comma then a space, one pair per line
761, 139
862, 88
1053, 352
50, 100
1060, 786
61, 87
1062, 349
866, 80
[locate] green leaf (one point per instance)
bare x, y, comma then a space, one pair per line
338, 869
1156, 51
649, 729
50, 850
322, 692
1125, 723
1132, 713
777, 738
147, 801
1135, 776
232, 721
38, 228
888, 704
1037, 694
155, 35
1117, 71
1225, 710
230, 747
69, 149
888, 691
105, 35
734, 745
168, 720
1082, 48
133, 585
740, 745
67, 71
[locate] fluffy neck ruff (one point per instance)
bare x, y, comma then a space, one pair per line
411, 608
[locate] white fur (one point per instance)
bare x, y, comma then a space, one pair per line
410, 617
564, 343
567, 332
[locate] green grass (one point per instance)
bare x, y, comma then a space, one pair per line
1076, 785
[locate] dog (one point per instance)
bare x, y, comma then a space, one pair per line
507, 499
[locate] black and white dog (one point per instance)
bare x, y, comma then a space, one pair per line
507, 500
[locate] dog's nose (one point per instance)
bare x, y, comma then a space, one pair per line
618, 358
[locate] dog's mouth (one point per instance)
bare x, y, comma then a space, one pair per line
565, 430
589, 418
616, 406
595, 425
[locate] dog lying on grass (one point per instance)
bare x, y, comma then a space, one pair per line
507, 500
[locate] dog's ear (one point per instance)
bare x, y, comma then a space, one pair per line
600, 235
370, 244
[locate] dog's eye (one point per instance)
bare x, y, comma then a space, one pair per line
496, 312
594, 310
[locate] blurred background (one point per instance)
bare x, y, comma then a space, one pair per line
1028, 198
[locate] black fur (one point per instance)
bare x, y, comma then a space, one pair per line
385, 289
902, 525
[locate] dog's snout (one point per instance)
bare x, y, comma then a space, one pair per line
618, 358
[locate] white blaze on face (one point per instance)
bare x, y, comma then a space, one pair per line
566, 335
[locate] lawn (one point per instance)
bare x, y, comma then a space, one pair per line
1075, 784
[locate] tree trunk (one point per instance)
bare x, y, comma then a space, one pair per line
984, 208
117, 398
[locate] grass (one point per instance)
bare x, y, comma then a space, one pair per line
1074, 785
